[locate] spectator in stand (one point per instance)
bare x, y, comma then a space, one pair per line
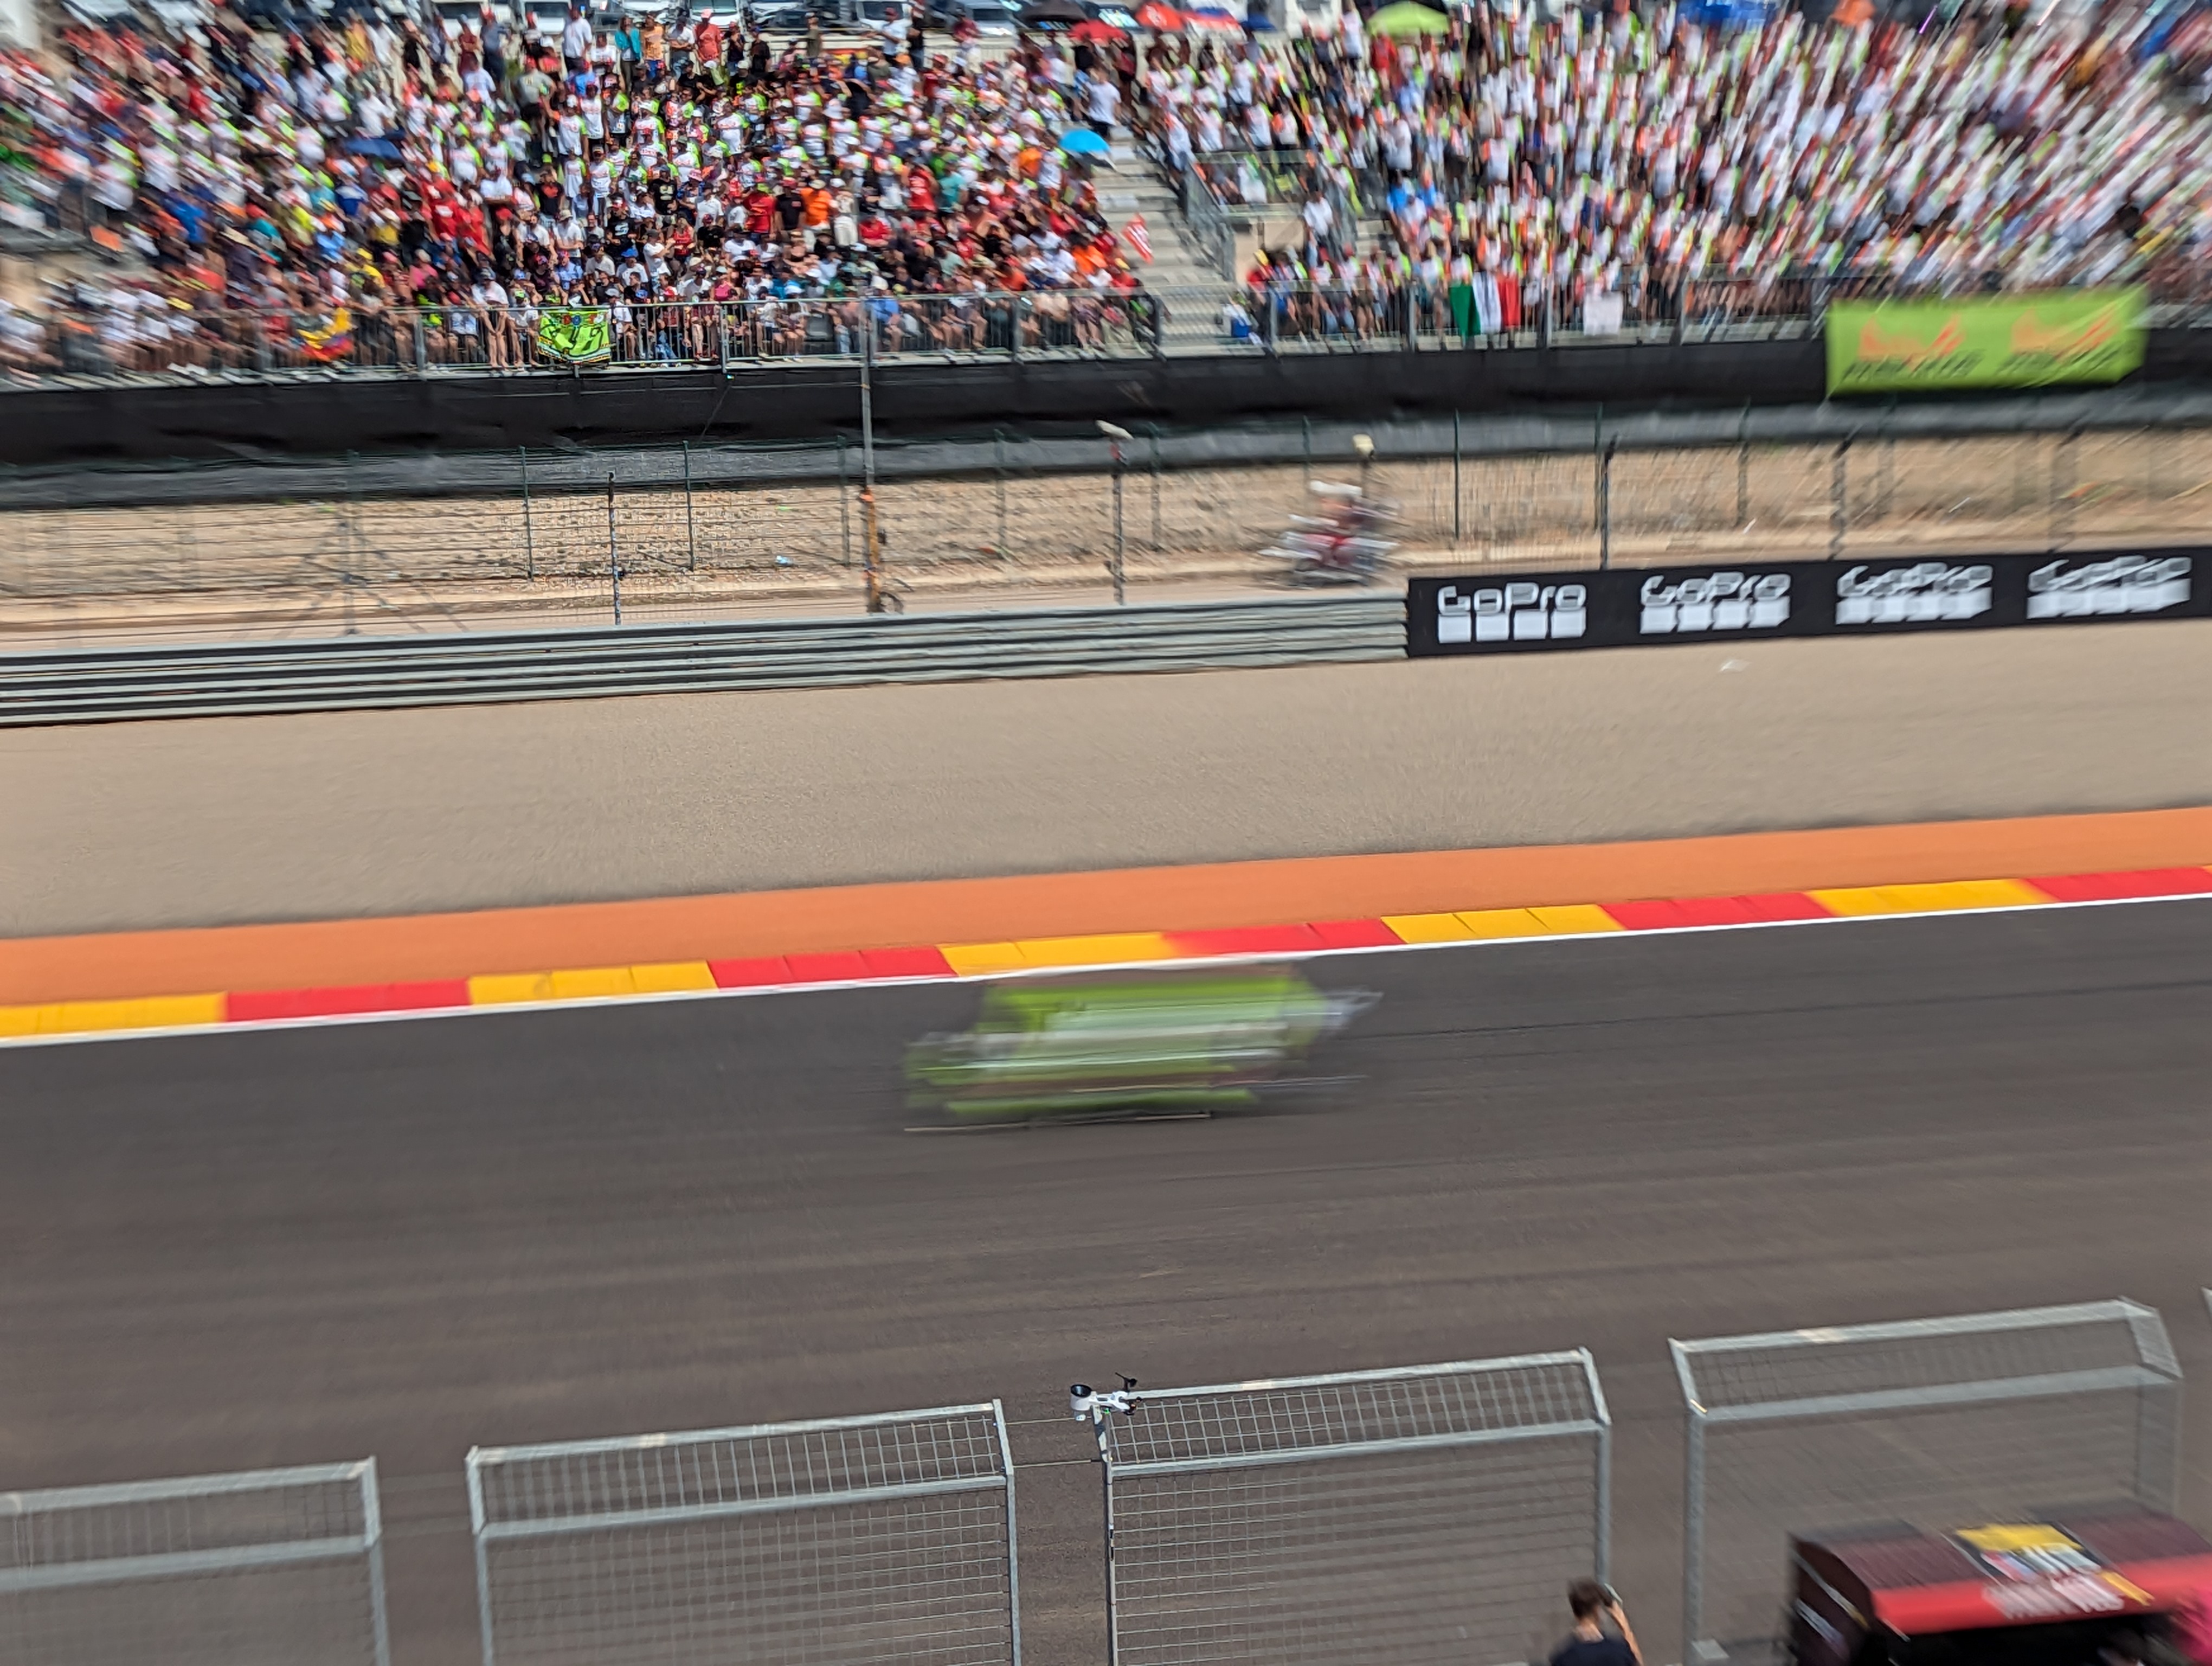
1515, 161
332, 173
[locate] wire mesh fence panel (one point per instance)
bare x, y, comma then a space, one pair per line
700, 533
829, 1543
1943, 1423
1545, 504
1431, 1514
1787, 494
269, 1568
1674, 494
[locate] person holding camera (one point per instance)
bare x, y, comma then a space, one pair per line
1591, 1643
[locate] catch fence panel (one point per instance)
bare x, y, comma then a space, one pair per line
829, 1543
1431, 1514
1943, 1423
268, 1568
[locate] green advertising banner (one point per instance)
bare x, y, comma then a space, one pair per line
1995, 340
581, 335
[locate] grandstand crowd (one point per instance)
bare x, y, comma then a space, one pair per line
346, 189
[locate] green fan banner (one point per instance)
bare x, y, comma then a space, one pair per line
2025, 341
581, 335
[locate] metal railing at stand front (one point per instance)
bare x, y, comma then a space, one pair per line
1431, 1514
271, 1567
151, 344
836, 1542
1945, 1423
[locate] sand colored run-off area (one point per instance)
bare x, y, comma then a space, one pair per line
373, 565
231, 820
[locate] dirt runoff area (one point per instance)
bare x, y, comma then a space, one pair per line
367, 565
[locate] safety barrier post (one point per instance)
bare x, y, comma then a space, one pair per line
529, 532
1604, 504
614, 559
690, 532
1743, 470
1838, 498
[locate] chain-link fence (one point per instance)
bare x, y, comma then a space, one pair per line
1427, 1514
696, 532
1940, 1422
829, 1543
274, 1567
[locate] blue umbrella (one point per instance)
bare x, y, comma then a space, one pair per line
1082, 142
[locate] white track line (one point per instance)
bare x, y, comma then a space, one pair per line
1624, 935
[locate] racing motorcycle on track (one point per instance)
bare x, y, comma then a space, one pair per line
1347, 542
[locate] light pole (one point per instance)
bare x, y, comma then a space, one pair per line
871, 553
1114, 437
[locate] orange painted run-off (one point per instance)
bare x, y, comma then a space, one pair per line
1215, 897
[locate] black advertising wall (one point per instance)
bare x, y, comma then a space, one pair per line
803, 400
385, 415
1727, 602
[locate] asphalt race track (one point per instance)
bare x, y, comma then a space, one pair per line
227, 1251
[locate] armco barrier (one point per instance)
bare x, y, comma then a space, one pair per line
1944, 1423
832, 1543
1715, 602
334, 674
1431, 1514
271, 1567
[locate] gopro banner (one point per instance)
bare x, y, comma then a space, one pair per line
1524, 612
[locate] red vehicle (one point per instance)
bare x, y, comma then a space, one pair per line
2107, 1586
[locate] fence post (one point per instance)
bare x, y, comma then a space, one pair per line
421, 347
871, 549
1885, 492
844, 505
2061, 490
690, 531
1839, 511
1455, 495
1693, 1536
1306, 443
1120, 594
1743, 470
1158, 543
357, 545
1112, 1631
529, 527
614, 558
1604, 504
999, 462
1597, 472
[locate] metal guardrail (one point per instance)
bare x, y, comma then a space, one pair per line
352, 672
